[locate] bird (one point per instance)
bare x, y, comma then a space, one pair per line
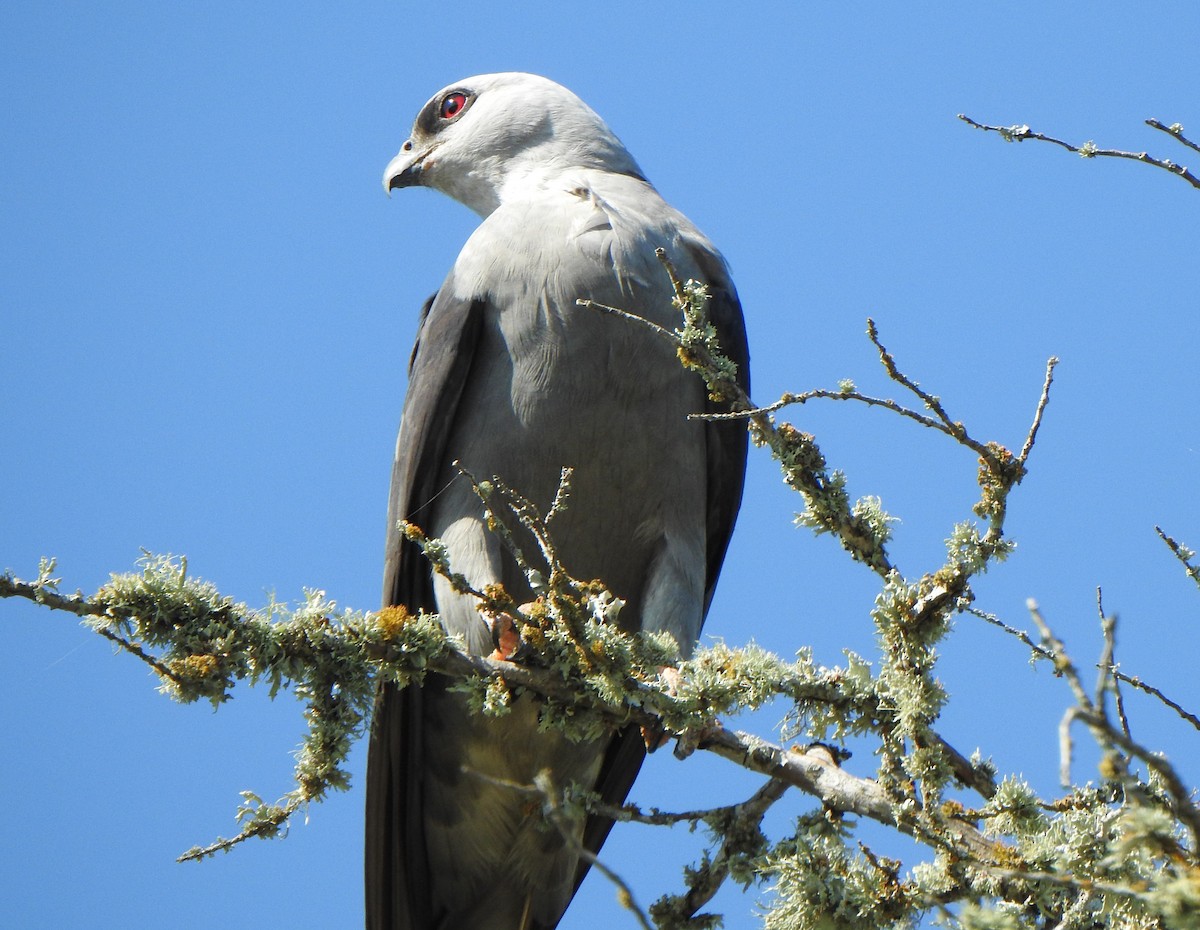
510, 377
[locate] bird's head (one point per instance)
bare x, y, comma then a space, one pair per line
490, 138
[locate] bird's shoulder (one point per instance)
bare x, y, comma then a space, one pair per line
580, 229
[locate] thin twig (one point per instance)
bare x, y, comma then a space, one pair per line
750, 812
655, 817
1024, 637
497, 524
1136, 682
632, 317
1062, 880
950, 427
1063, 665
1065, 745
1181, 797
1106, 681
136, 650
78, 605
562, 495
1089, 149
545, 792
1109, 737
1182, 553
1175, 131
1039, 412
823, 394
1108, 631
1133, 681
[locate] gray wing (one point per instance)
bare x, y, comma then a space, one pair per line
438, 369
726, 443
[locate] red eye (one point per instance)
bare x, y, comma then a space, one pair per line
452, 105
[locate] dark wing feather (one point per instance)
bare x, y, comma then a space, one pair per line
439, 368
727, 442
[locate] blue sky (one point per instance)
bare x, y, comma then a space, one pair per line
208, 305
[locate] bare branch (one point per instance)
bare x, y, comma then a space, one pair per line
1175, 131
950, 427
1182, 553
1090, 150
1040, 651
1041, 409
1136, 682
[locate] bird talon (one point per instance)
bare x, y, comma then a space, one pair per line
505, 637
655, 737
672, 678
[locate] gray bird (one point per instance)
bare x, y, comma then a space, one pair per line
511, 378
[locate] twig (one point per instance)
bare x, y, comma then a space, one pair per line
550, 804
655, 817
1063, 666
78, 605
1175, 131
1133, 681
1039, 412
708, 882
545, 792
1065, 745
1136, 682
1105, 680
632, 317
1024, 637
950, 427
1090, 150
1062, 880
484, 491
1093, 714
562, 495
803, 463
823, 394
628, 901
1182, 553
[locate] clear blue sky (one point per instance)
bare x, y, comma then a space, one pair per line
208, 305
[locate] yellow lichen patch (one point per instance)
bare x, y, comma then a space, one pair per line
391, 620
952, 808
200, 666
500, 599
412, 532
537, 611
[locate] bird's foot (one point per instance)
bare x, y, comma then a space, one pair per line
656, 736
506, 635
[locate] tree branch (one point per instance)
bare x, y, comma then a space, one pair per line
1090, 150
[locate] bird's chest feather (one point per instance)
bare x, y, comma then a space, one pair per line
532, 265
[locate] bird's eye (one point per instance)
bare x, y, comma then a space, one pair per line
452, 105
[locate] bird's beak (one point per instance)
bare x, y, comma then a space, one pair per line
404, 170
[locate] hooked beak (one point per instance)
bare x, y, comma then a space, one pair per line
404, 170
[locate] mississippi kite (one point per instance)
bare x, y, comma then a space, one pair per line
511, 378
